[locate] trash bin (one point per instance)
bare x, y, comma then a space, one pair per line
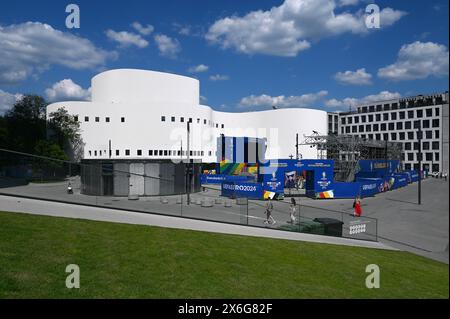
332, 227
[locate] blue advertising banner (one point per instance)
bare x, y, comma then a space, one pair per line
242, 189
220, 178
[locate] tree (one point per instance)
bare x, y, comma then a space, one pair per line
25, 123
64, 130
49, 167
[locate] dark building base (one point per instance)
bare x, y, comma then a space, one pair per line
137, 177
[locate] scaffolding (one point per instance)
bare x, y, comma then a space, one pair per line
347, 150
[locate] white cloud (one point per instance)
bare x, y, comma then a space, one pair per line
144, 30
343, 3
126, 39
351, 101
281, 100
417, 60
198, 68
290, 28
167, 46
219, 77
67, 90
7, 100
30, 48
358, 77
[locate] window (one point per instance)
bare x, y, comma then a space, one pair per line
166, 152
386, 107
391, 126
436, 134
343, 120
401, 115
371, 118
172, 119
394, 106
350, 120
435, 123
378, 117
415, 146
401, 136
181, 119
75, 118
204, 122
198, 121
117, 152
436, 111
354, 129
163, 118
90, 153
385, 116
375, 128
399, 125
428, 134
425, 123
368, 128
393, 136
407, 167
363, 119
417, 124
160, 152
97, 119
410, 114
356, 119
107, 119
429, 156
217, 125
150, 152
435, 145
393, 116
370, 136
95, 153
410, 156
86, 118
347, 129
385, 136
419, 113
407, 146
410, 135
139, 152
361, 128
122, 119
100, 153
379, 108
436, 156
383, 126
371, 108
408, 125
127, 152
378, 137
426, 146
223, 126
429, 112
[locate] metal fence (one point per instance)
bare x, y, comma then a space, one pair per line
44, 178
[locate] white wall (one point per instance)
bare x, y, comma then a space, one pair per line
143, 97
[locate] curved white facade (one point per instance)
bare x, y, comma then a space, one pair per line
140, 113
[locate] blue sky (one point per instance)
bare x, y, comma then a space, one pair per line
252, 54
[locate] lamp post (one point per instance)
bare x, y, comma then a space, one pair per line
419, 154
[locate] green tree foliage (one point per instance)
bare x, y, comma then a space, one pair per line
24, 125
64, 130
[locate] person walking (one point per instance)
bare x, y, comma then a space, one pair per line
269, 219
293, 208
357, 207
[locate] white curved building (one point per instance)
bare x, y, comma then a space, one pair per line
139, 114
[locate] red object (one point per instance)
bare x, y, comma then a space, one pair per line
358, 210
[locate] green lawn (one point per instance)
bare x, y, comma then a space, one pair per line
129, 261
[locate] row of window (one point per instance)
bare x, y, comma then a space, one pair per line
153, 153
401, 136
415, 157
434, 167
424, 102
97, 119
408, 125
390, 116
205, 122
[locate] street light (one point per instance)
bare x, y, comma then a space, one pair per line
419, 154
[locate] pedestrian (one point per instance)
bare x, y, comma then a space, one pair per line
293, 208
357, 207
269, 219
